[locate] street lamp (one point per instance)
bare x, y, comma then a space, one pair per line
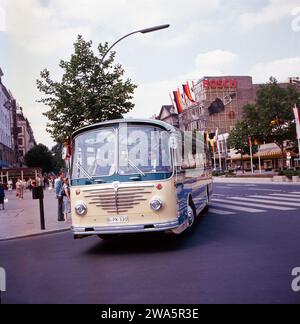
142, 31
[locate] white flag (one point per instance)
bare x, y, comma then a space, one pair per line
297, 118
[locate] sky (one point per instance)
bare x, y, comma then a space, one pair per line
260, 38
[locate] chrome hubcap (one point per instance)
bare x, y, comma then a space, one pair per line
191, 216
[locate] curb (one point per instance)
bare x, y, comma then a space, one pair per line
11, 238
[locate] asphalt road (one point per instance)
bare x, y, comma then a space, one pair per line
232, 256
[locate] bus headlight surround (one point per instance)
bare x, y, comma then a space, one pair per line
80, 208
156, 204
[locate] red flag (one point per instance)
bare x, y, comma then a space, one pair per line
187, 92
178, 102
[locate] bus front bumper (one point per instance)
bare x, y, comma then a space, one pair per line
159, 227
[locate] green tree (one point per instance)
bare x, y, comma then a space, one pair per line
271, 118
58, 162
239, 140
39, 157
89, 92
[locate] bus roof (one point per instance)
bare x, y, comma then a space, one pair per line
154, 122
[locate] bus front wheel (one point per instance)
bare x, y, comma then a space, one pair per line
191, 213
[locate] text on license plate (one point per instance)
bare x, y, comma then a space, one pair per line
118, 219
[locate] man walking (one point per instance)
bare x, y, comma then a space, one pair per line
59, 188
2, 196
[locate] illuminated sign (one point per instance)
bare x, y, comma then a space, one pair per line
220, 84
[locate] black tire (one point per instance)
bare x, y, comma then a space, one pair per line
205, 210
107, 237
192, 213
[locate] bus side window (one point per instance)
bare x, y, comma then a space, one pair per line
188, 158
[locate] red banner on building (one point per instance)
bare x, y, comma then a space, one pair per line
178, 102
187, 92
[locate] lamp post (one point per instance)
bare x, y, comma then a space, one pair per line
142, 31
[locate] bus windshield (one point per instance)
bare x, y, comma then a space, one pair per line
128, 150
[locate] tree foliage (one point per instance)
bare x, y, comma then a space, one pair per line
58, 162
239, 139
89, 92
39, 157
271, 119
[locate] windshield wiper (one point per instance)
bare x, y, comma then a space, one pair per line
136, 168
81, 168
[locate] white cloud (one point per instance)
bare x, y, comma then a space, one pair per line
2, 20
150, 97
274, 11
280, 69
37, 29
121, 16
132, 13
216, 62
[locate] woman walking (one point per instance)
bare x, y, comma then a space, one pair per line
20, 189
66, 200
2, 196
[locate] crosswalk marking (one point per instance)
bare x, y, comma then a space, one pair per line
221, 187
248, 210
275, 198
295, 192
240, 185
270, 190
286, 195
292, 204
220, 212
255, 205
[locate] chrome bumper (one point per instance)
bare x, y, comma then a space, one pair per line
125, 229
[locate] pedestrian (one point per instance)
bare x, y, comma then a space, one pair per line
39, 181
10, 185
45, 181
29, 184
66, 199
59, 188
51, 184
2, 196
19, 189
24, 185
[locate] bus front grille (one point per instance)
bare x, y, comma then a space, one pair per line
118, 200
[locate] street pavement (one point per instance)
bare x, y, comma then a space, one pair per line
242, 251
22, 217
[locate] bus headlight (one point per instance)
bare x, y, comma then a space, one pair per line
156, 204
80, 208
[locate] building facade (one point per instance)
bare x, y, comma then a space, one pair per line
16, 135
169, 115
8, 157
218, 106
26, 140
219, 103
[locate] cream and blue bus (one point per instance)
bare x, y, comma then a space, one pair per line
137, 176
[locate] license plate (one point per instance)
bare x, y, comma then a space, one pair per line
118, 220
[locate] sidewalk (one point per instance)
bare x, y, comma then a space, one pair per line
21, 218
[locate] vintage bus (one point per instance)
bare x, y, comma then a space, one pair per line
133, 176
